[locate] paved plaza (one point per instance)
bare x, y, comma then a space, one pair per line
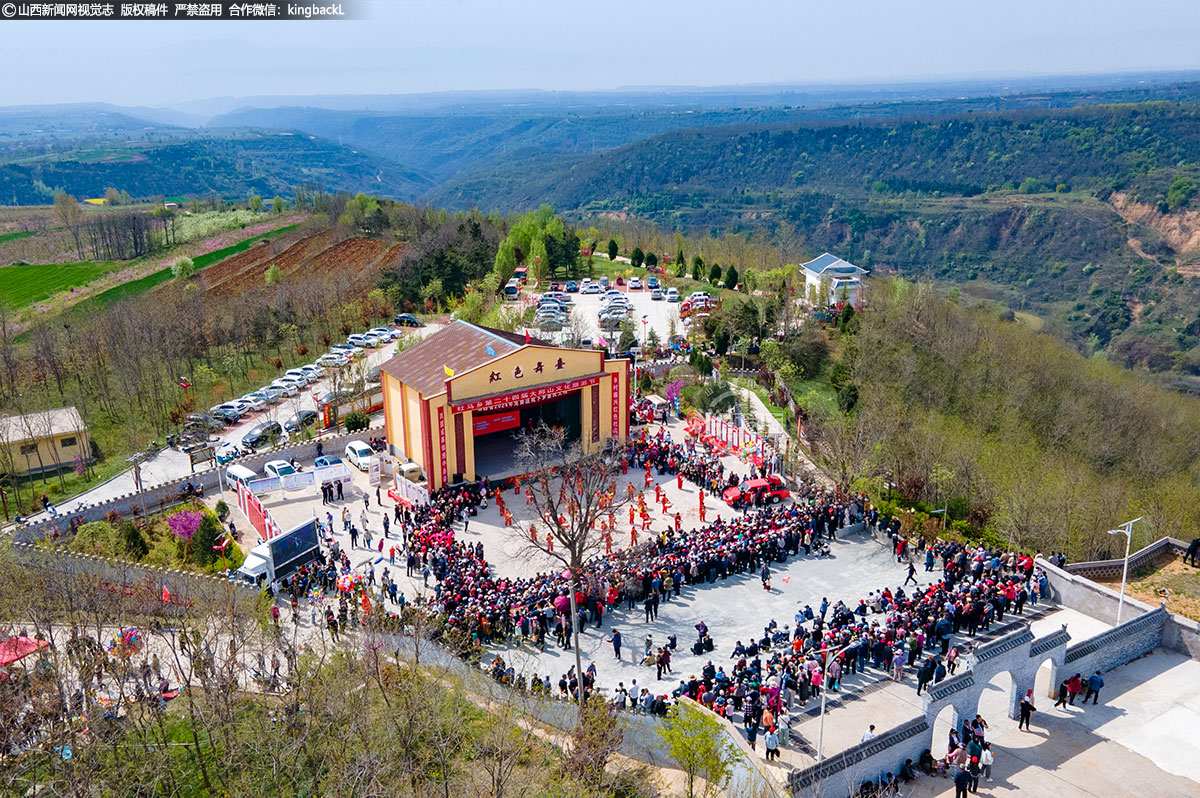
1141, 734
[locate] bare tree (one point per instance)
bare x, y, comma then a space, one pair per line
571, 490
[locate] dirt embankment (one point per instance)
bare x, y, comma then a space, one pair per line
1180, 229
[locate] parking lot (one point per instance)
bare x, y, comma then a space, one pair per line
659, 315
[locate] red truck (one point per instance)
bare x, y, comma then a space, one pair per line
757, 491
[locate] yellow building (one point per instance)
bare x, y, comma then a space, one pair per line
454, 402
45, 441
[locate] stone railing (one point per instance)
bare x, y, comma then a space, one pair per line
839, 773
154, 589
1122, 643
165, 495
948, 687
1108, 569
1049, 642
999, 646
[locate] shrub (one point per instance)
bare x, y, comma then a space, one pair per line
356, 420
222, 509
133, 540
207, 534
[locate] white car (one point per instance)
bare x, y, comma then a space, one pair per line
359, 454
255, 401
314, 371
299, 375
285, 387
292, 382
635, 284
242, 405
350, 350
591, 288
362, 340
385, 333
278, 468
333, 360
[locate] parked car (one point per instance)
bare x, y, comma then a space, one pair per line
359, 454
286, 386
298, 421
350, 350
270, 393
672, 295
364, 341
278, 468
407, 320
227, 415
572, 286
635, 284
604, 283
205, 421
656, 295
326, 460
314, 370
652, 282
333, 360
255, 401
263, 434
592, 288
243, 407
385, 334
299, 376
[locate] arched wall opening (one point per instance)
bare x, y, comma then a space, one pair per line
1045, 681
996, 700
946, 720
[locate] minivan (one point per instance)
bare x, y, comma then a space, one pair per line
239, 474
512, 290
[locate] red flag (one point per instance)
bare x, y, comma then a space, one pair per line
166, 595
527, 338
224, 544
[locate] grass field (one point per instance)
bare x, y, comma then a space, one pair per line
143, 284
26, 284
18, 234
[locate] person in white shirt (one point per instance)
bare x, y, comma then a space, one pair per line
869, 734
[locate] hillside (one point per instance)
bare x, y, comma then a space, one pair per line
454, 141
1078, 215
229, 164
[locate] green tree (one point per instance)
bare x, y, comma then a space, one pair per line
612, 249
637, 257
697, 268
183, 268
273, 275
696, 743
254, 203
356, 420
135, 544
714, 273
207, 534
278, 204
651, 260
731, 277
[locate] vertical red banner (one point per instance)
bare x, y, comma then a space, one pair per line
616, 406
442, 444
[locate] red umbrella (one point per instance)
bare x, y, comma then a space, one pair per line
562, 603
19, 647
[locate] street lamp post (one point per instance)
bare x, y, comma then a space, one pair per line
824, 693
1125, 529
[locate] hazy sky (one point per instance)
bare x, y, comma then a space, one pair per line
434, 45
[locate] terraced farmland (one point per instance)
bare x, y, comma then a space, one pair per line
25, 284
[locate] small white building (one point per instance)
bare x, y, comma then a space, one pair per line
837, 280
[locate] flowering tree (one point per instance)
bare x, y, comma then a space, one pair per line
184, 524
673, 391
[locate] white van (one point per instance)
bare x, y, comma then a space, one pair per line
359, 454
512, 290
239, 474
